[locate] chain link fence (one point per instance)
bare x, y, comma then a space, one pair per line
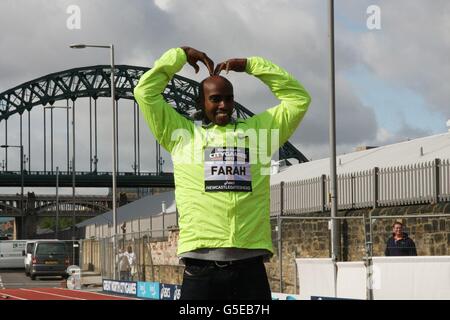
97, 255
361, 237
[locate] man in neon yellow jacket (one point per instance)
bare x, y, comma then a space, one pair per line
221, 171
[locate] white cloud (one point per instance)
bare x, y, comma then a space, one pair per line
164, 5
409, 51
413, 48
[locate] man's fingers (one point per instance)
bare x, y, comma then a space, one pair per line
203, 58
219, 68
195, 66
209, 64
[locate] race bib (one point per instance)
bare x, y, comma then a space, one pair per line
227, 169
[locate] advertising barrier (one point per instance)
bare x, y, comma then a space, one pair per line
128, 288
148, 290
145, 290
170, 291
285, 296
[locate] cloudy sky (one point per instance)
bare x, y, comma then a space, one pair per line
392, 82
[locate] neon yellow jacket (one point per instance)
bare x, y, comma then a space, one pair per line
221, 219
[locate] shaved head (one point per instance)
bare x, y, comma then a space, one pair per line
216, 99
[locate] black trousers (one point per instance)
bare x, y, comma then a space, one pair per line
238, 280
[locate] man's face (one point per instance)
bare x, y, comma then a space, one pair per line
218, 100
398, 229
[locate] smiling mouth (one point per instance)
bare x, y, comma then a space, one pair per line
221, 113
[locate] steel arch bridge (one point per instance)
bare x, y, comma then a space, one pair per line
45, 205
90, 82
94, 82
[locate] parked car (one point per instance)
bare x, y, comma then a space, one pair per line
48, 258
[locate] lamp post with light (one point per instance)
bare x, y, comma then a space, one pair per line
114, 142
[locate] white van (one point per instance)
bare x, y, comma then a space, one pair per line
11, 253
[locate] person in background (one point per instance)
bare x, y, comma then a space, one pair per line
131, 256
400, 244
127, 264
124, 266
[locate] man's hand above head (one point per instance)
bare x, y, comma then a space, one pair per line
236, 64
193, 56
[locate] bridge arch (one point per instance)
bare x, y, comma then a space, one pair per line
94, 82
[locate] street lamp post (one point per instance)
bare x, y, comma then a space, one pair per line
57, 170
114, 142
333, 179
21, 186
57, 203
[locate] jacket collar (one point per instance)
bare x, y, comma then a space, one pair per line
210, 124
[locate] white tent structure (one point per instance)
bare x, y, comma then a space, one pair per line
399, 154
149, 214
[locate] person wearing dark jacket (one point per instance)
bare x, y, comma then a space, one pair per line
400, 244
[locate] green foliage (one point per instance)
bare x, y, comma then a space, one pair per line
50, 223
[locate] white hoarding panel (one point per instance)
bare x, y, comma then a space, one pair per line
316, 277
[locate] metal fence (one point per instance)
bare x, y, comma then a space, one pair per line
444, 179
97, 254
360, 238
427, 182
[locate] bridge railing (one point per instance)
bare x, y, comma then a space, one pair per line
86, 173
444, 181
427, 182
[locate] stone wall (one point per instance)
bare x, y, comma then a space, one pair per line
311, 239
299, 238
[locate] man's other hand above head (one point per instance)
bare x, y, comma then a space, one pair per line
236, 65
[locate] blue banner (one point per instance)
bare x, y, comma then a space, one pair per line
148, 290
330, 298
120, 287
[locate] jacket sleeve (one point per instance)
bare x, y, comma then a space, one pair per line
294, 98
160, 116
387, 252
413, 250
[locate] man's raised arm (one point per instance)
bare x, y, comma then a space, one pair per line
294, 98
160, 116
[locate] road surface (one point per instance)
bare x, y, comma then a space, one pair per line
16, 278
15, 285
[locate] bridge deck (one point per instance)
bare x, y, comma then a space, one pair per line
86, 179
